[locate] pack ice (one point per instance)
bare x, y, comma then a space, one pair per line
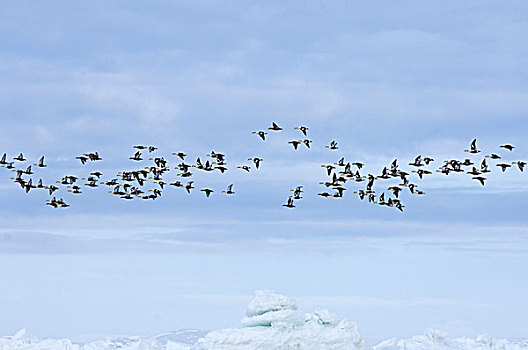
272, 322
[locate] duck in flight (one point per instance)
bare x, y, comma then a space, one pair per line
40, 163
481, 179
179, 154
244, 167
207, 191
256, 161
83, 159
520, 164
503, 166
136, 157
473, 147
332, 146
508, 147
303, 129
289, 204
261, 133
20, 158
229, 190
295, 143
274, 127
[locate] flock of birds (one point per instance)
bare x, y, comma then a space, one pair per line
131, 184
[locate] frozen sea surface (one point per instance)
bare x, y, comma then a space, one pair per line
272, 322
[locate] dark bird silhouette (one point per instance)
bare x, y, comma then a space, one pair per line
180, 154
473, 147
262, 134
40, 163
256, 161
295, 143
83, 159
481, 179
332, 146
289, 204
229, 190
508, 147
244, 167
136, 157
274, 127
20, 158
303, 129
207, 191
503, 166
520, 164
493, 156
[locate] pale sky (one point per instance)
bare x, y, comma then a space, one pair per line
386, 80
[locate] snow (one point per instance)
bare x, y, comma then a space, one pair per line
273, 322
438, 340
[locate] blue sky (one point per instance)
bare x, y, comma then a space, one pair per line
386, 80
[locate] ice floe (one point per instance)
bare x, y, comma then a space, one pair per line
272, 322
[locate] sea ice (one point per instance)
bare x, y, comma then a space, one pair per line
274, 322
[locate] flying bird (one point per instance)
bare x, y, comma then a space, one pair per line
274, 127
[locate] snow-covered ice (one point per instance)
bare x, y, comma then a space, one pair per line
438, 340
273, 322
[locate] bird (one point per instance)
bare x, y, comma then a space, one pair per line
20, 158
289, 204
421, 172
493, 156
262, 134
189, 186
473, 147
481, 179
329, 168
207, 191
256, 161
508, 147
332, 146
520, 164
229, 190
179, 154
503, 166
244, 167
417, 161
474, 172
307, 142
3, 160
358, 164
303, 129
295, 143
136, 157
40, 163
395, 190
83, 159
274, 127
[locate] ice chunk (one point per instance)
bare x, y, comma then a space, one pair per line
438, 340
292, 317
274, 323
267, 300
326, 316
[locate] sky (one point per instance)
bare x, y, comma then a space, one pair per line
385, 80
